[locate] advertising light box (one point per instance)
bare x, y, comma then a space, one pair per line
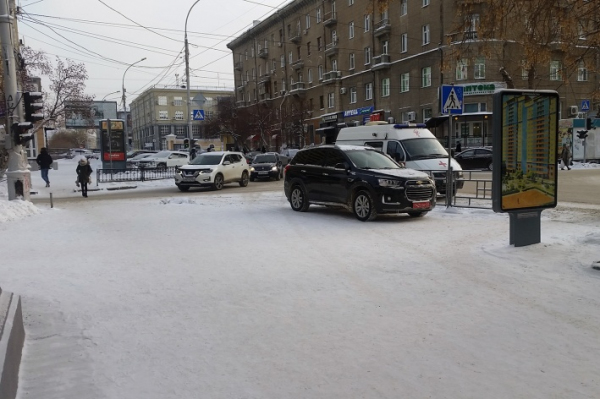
525, 150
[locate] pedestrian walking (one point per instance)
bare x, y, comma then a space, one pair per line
192, 154
565, 155
44, 160
84, 173
458, 147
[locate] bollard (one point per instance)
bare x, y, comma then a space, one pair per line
51, 201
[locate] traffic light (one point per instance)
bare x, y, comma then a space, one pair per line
588, 123
582, 134
22, 132
186, 143
33, 106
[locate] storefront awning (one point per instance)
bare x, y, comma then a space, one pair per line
322, 130
436, 121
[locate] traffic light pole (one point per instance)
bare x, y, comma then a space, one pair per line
18, 175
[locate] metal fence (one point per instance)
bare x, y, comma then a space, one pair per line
134, 174
477, 190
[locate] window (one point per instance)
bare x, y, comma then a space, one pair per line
555, 70
426, 77
385, 46
480, 68
321, 102
351, 30
462, 69
403, 7
310, 76
282, 58
307, 23
582, 72
246, 54
319, 15
273, 64
291, 57
177, 101
352, 95
404, 82
163, 115
275, 87
351, 61
318, 44
367, 22
282, 84
367, 55
252, 52
404, 43
332, 157
253, 74
334, 65
162, 100
179, 115
308, 48
247, 77
425, 31
385, 87
369, 91
330, 100
425, 3
320, 70
427, 114
180, 130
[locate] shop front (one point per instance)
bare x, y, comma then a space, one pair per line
329, 126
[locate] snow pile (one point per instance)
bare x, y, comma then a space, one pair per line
18, 209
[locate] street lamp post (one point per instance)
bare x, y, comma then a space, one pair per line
114, 92
187, 76
126, 131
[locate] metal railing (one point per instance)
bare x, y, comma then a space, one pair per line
480, 182
134, 174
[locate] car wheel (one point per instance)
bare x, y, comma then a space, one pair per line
244, 180
417, 214
183, 188
298, 199
363, 206
491, 166
218, 184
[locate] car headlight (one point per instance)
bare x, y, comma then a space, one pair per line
389, 183
274, 169
460, 174
252, 169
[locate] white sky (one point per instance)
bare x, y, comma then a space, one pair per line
212, 23
237, 296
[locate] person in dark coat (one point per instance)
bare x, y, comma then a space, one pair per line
192, 154
44, 160
84, 171
458, 147
565, 155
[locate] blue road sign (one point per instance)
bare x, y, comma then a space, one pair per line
452, 99
585, 105
198, 115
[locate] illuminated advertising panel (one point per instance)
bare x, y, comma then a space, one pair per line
113, 144
525, 150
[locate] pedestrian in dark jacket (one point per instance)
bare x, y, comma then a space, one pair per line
44, 160
84, 171
458, 147
565, 155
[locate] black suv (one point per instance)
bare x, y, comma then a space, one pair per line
265, 166
360, 179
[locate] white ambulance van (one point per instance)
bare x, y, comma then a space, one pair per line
411, 144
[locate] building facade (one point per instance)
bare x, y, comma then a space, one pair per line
159, 112
344, 62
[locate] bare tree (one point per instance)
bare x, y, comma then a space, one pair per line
69, 139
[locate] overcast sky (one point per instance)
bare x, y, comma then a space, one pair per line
109, 35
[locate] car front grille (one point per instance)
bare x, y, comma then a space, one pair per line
419, 190
262, 168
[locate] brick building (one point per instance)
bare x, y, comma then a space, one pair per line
342, 62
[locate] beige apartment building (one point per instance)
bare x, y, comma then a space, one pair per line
159, 112
344, 62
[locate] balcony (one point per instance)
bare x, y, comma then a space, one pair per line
242, 85
299, 64
331, 48
240, 103
239, 66
383, 27
330, 18
264, 98
296, 37
332, 76
264, 78
381, 62
298, 89
263, 52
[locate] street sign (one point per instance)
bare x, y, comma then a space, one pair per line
452, 99
198, 115
585, 105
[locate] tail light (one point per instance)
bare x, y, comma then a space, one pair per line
286, 169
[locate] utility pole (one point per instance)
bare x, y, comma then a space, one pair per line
18, 175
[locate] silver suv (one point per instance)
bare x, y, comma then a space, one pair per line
213, 169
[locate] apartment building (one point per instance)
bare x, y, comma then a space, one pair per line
161, 111
348, 61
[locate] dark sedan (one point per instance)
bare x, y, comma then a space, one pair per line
475, 158
265, 166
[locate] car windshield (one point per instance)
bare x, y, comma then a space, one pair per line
424, 148
162, 154
369, 159
207, 159
265, 159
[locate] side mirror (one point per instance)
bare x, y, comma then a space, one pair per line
226, 163
342, 165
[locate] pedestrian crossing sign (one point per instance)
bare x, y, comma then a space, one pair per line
585, 105
452, 99
198, 115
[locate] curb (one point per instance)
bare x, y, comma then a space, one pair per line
12, 338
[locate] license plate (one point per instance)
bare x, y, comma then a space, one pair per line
420, 205
263, 173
